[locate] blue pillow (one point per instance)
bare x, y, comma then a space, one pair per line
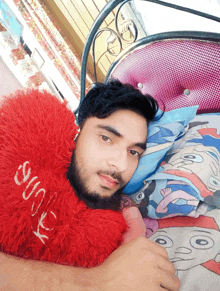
187, 183
161, 135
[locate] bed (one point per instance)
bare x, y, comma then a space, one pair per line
177, 183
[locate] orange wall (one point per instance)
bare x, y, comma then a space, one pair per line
75, 19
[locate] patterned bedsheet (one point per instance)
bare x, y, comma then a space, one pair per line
181, 204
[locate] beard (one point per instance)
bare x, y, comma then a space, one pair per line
91, 199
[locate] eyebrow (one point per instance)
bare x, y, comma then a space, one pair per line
214, 154
202, 231
117, 133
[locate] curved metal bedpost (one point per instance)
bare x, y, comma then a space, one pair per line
98, 21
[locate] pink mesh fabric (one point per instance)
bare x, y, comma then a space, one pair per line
167, 68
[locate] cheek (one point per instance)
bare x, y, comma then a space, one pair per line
89, 156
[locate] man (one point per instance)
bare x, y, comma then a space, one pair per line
113, 121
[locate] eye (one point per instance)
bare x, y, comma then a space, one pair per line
164, 241
214, 182
140, 196
105, 138
192, 157
135, 153
201, 242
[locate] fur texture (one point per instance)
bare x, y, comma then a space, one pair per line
40, 216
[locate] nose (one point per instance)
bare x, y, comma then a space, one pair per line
183, 250
118, 161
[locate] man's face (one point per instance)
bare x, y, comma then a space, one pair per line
108, 150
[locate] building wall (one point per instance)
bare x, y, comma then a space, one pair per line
48, 69
8, 82
75, 18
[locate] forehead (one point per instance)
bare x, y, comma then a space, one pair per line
126, 122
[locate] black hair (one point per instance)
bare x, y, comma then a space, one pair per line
104, 99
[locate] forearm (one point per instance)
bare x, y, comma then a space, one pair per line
27, 275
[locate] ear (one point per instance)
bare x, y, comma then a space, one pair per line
77, 135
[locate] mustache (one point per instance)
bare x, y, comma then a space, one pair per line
93, 200
114, 175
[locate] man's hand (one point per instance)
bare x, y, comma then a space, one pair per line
135, 223
140, 265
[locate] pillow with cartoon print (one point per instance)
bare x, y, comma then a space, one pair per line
189, 175
161, 135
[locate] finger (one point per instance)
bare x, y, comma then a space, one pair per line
166, 265
155, 248
135, 222
169, 281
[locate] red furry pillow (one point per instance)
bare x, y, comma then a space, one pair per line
40, 216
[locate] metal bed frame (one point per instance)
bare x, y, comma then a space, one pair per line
134, 43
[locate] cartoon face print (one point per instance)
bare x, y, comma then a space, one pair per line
188, 247
204, 161
141, 198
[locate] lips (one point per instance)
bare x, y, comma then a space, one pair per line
108, 181
174, 260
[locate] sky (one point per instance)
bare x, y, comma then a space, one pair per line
158, 18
